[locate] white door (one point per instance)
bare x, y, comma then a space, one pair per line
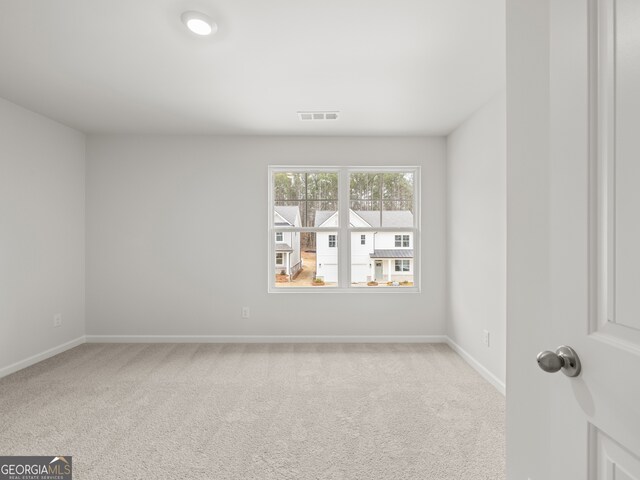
587, 427
379, 274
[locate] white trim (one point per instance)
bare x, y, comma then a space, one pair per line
402, 262
478, 367
344, 235
333, 215
484, 372
602, 164
32, 360
284, 220
266, 339
356, 214
357, 289
402, 238
352, 229
344, 229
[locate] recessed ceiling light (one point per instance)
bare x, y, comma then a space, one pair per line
199, 23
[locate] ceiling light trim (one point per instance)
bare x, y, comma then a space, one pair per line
199, 24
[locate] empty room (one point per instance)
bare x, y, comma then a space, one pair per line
319, 240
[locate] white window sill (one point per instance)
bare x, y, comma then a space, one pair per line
356, 290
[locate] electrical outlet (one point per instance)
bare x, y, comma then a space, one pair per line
485, 337
57, 320
246, 312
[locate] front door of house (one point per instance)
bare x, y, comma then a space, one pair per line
378, 270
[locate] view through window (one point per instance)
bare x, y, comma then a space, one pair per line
308, 247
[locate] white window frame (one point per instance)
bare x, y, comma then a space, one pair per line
363, 239
402, 239
281, 234
282, 257
402, 261
333, 240
344, 231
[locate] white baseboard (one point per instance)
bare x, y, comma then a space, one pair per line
266, 339
27, 362
481, 369
486, 374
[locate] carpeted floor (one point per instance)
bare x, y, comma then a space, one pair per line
244, 412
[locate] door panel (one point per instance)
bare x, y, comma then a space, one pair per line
625, 162
614, 462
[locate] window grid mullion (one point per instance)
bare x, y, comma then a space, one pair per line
344, 236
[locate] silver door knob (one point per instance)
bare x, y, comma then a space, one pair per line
564, 358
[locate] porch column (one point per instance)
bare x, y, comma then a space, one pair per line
389, 270
372, 268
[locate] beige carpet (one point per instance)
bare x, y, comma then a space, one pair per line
207, 411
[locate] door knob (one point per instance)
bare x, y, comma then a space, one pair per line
564, 358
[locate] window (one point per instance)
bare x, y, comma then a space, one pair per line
403, 265
402, 241
372, 209
299, 195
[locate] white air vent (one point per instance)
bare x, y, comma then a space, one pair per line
318, 115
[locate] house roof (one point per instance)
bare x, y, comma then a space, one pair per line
288, 213
322, 216
393, 253
283, 247
390, 218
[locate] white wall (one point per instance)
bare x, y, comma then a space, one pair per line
476, 204
42, 234
177, 238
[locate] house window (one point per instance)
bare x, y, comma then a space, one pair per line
402, 241
403, 265
371, 209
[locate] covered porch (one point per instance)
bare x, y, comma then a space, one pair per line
283, 261
392, 265
283, 256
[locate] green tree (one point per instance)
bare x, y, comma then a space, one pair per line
387, 191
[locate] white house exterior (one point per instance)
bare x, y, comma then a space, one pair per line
375, 256
287, 244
